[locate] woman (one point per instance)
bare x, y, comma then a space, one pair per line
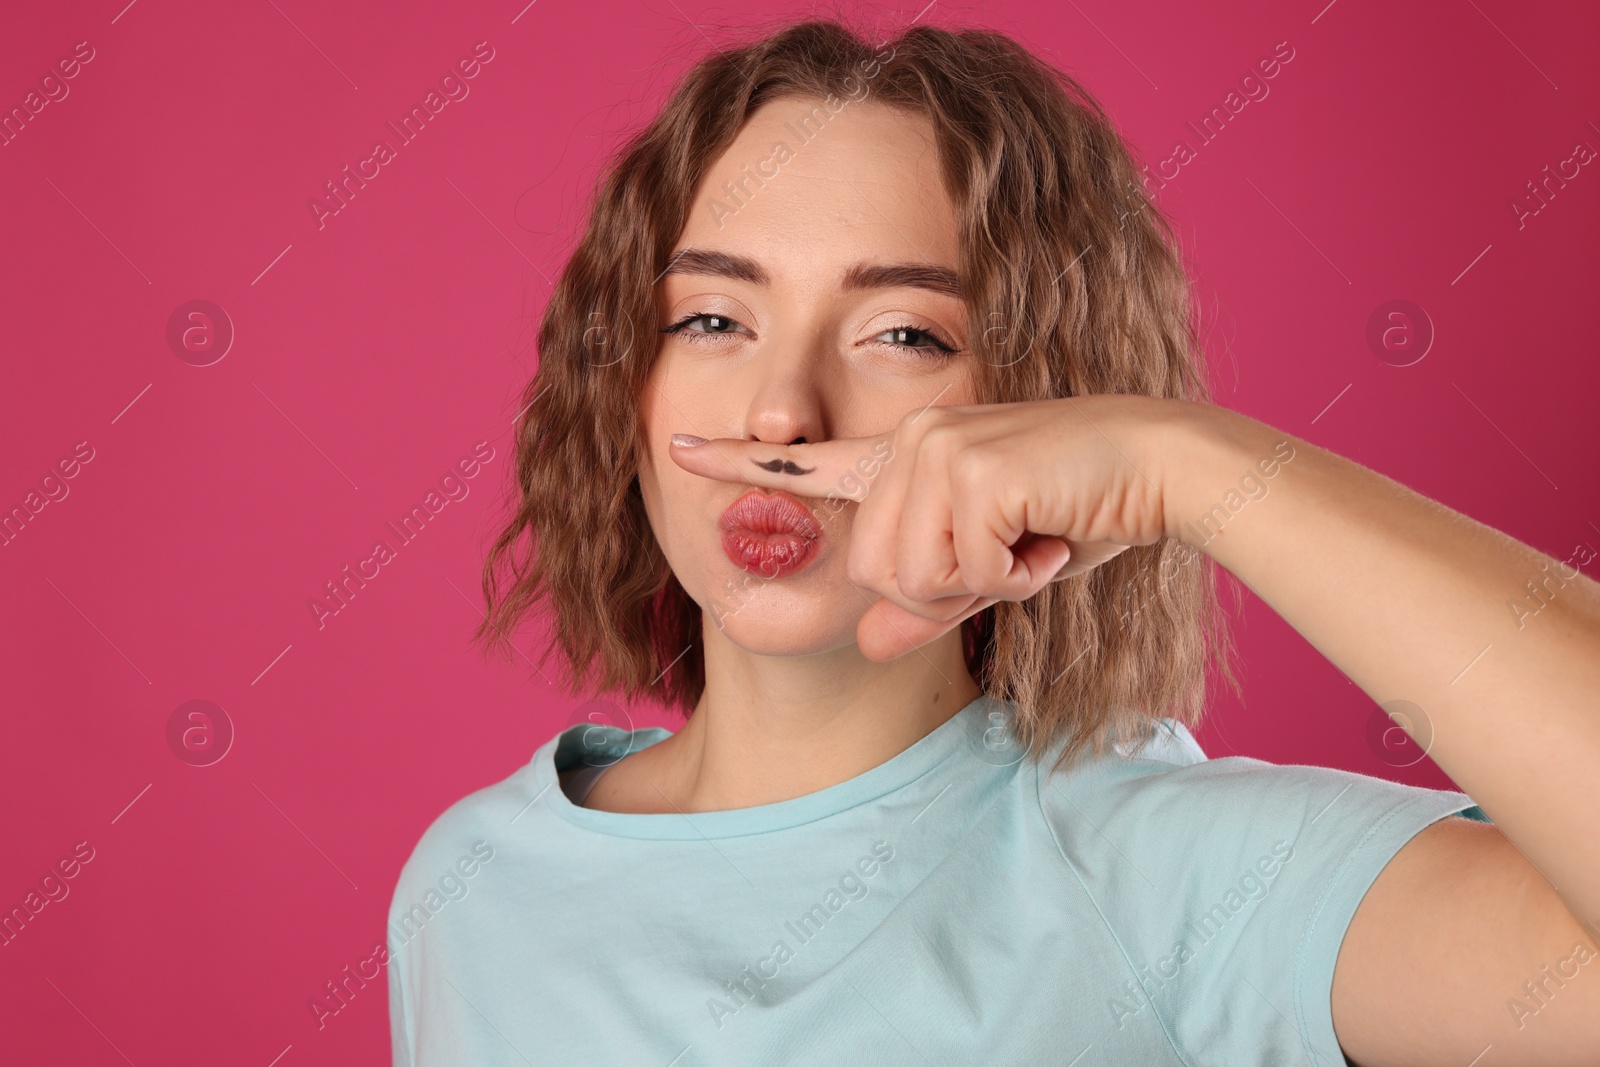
870, 431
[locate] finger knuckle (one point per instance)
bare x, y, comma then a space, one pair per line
942, 437
923, 419
920, 584
976, 468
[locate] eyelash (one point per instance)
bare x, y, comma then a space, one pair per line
938, 349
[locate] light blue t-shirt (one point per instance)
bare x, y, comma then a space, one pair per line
955, 905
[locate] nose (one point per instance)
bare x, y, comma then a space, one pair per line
789, 403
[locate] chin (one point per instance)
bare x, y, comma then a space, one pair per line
782, 619
776, 637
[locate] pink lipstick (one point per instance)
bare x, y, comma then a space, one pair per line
770, 534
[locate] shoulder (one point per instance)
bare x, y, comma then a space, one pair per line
469, 835
1169, 783
1142, 823
1233, 880
449, 859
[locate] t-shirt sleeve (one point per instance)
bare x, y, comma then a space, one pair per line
399, 1046
1229, 884
399, 1036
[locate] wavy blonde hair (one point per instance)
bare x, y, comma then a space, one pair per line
1074, 286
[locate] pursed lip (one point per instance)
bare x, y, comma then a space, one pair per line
770, 534
769, 513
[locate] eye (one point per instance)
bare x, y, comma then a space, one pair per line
916, 339
699, 326
716, 325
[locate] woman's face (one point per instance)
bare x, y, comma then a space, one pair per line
801, 335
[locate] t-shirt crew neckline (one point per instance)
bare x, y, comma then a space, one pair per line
610, 743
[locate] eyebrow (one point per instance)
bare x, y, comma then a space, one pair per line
860, 276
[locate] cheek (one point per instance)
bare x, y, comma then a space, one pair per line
667, 489
965, 384
650, 491
837, 519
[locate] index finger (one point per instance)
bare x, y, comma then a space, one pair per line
843, 468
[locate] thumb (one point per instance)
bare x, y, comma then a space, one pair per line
887, 631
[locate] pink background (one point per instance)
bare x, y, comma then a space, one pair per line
374, 352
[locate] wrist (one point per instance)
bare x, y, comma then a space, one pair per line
1216, 463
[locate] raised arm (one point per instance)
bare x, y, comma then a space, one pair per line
1498, 645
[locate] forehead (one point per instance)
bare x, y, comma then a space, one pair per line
810, 190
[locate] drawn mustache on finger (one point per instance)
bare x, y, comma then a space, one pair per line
782, 466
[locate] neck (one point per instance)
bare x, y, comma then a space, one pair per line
771, 728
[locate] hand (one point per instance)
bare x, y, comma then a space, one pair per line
963, 506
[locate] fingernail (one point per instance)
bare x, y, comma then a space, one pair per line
687, 440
